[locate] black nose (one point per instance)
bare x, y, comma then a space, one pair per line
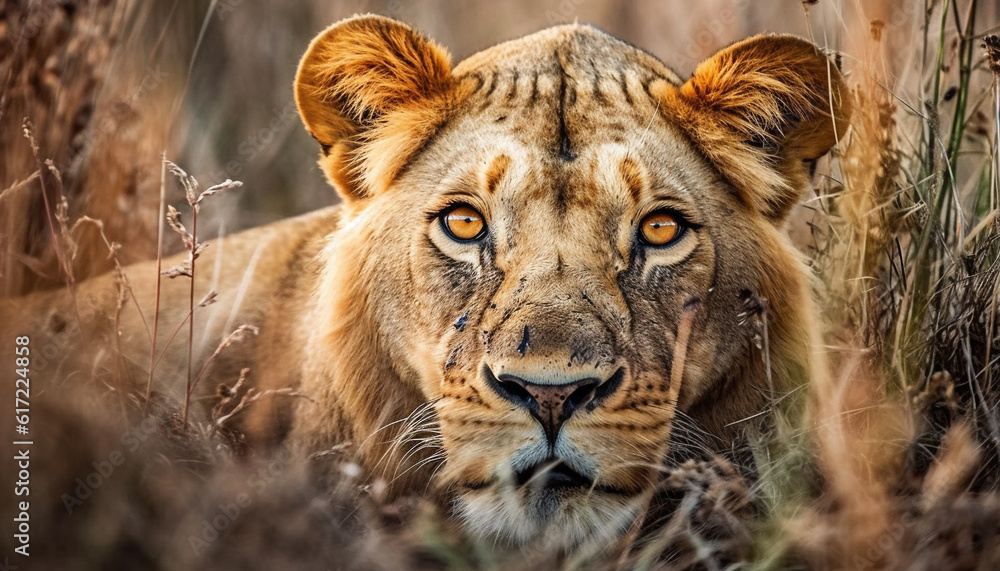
553, 403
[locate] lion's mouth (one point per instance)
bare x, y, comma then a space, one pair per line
552, 474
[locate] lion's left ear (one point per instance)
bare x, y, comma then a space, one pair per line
761, 110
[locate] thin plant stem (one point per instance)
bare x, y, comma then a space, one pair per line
159, 270
190, 367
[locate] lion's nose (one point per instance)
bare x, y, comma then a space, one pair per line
552, 403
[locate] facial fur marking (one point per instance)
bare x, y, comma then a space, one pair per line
596, 85
525, 342
478, 78
623, 80
647, 81
492, 86
632, 175
565, 146
466, 398
496, 171
450, 362
475, 397
512, 92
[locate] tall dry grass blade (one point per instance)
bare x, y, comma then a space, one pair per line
680, 348
867, 214
195, 248
860, 434
159, 272
64, 263
238, 336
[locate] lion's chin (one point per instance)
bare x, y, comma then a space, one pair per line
546, 516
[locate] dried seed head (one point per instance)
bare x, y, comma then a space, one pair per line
241, 333
174, 220
54, 170
183, 269
187, 181
992, 45
28, 128
65, 230
209, 299
218, 188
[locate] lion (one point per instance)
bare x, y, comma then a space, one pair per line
545, 258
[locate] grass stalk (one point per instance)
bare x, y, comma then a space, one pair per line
187, 269
910, 345
968, 47
236, 336
190, 364
159, 273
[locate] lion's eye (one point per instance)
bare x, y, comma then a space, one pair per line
463, 223
660, 229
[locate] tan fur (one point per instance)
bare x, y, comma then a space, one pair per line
564, 141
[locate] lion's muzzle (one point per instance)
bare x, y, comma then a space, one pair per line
552, 403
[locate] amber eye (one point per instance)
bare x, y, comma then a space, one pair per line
463, 223
660, 228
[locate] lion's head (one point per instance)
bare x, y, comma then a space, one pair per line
548, 252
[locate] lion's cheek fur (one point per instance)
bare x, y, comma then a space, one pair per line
349, 326
772, 350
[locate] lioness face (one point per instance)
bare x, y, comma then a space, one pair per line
562, 242
541, 249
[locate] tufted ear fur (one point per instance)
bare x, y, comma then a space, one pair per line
761, 110
371, 90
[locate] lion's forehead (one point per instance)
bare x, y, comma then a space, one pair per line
592, 194
612, 97
562, 89
559, 183
582, 50
561, 109
571, 113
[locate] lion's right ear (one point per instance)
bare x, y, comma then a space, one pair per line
371, 90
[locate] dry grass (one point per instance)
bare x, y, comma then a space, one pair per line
896, 463
100, 116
